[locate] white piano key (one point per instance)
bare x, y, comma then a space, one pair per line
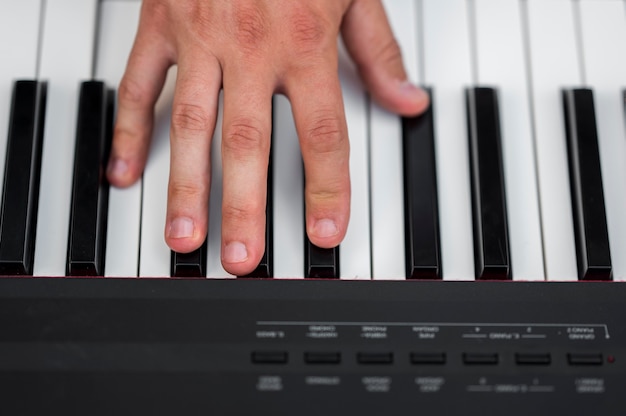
117, 27
447, 67
155, 254
603, 36
66, 59
288, 194
554, 65
214, 258
355, 260
19, 31
500, 63
387, 199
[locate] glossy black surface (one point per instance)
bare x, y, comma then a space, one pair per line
491, 245
20, 196
320, 263
248, 346
191, 264
90, 189
588, 210
421, 219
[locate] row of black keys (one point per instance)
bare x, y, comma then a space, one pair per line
88, 216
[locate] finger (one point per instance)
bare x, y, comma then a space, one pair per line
138, 92
194, 113
245, 157
373, 47
317, 104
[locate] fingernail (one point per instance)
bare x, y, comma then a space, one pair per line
181, 227
325, 228
408, 88
118, 168
235, 252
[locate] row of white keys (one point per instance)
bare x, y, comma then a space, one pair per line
554, 65
19, 29
387, 193
66, 59
603, 26
500, 63
117, 27
447, 67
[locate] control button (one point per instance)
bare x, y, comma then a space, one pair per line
269, 357
374, 358
425, 358
476, 358
585, 359
527, 358
322, 357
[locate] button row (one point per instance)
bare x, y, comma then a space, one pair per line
426, 358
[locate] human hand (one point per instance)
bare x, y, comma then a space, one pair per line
252, 49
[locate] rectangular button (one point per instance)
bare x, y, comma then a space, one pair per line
423, 256
428, 358
532, 358
491, 242
480, 358
269, 357
590, 226
322, 357
375, 358
90, 189
189, 264
21, 178
585, 359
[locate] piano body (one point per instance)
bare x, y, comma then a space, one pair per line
464, 329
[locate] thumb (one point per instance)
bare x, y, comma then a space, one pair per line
376, 53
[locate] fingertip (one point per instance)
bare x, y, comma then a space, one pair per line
325, 232
184, 235
410, 99
241, 258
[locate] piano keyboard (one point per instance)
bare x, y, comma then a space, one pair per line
497, 70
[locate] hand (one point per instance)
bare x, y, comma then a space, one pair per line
253, 49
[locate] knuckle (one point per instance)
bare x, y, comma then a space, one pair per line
324, 133
184, 192
191, 118
389, 52
329, 194
308, 32
244, 137
241, 212
250, 27
132, 93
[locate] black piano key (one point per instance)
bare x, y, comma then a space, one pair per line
90, 189
189, 264
320, 263
18, 218
590, 227
491, 245
422, 247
